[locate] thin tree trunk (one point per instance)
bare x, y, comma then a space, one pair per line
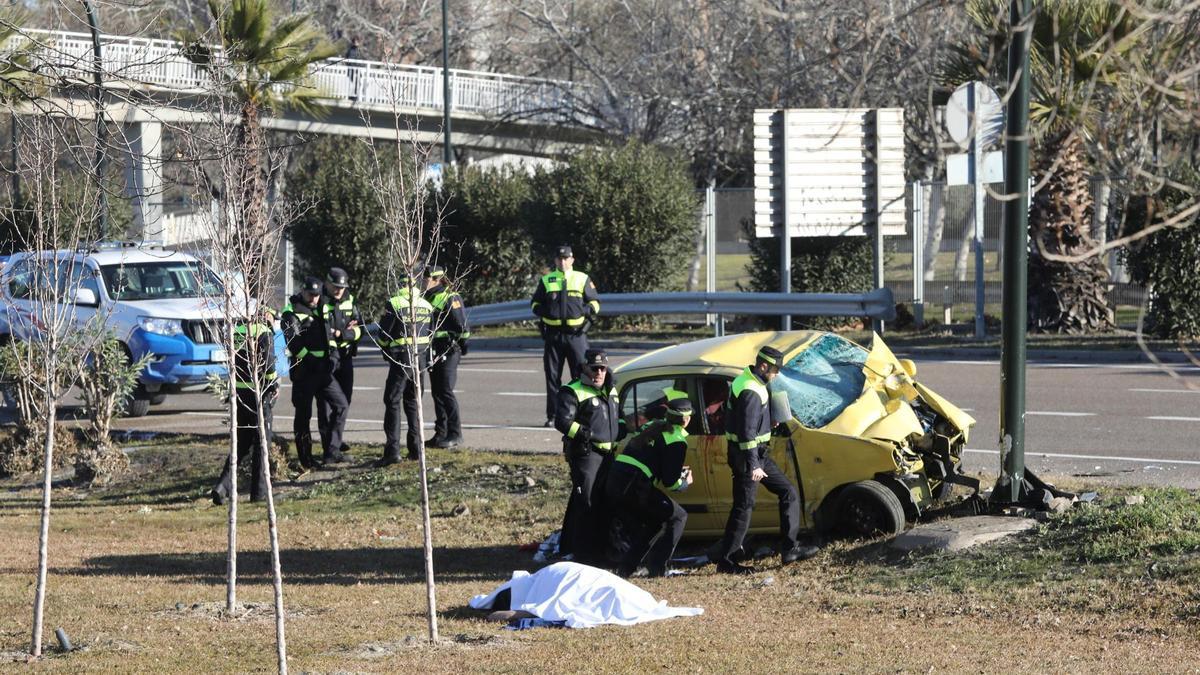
231, 555
39, 602
937, 225
425, 520
273, 528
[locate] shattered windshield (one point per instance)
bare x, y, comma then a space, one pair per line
822, 380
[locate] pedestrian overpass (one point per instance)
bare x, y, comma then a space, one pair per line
148, 83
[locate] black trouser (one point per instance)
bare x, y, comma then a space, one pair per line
443, 375
343, 374
744, 492
400, 390
584, 531
649, 514
561, 346
248, 445
313, 377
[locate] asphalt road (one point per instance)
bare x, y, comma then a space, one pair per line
1116, 422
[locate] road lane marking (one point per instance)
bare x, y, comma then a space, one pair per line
498, 370
1115, 458
1048, 364
1168, 418
520, 393
1169, 391
1051, 413
428, 425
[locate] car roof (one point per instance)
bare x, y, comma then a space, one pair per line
127, 256
732, 352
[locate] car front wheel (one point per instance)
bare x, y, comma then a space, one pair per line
869, 509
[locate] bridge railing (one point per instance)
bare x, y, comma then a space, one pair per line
877, 304
159, 65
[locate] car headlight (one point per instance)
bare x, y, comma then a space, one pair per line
159, 326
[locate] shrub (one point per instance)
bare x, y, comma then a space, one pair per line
1169, 259
106, 384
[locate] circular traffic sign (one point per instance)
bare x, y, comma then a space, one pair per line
961, 113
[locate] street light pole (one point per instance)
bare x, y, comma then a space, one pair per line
101, 129
447, 149
1010, 486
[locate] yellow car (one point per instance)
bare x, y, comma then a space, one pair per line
868, 446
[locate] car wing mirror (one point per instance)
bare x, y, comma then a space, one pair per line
909, 367
86, 297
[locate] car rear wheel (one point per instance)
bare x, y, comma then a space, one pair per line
868, 509
137, 407
157, 399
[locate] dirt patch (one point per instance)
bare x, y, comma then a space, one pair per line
248, 611
379, 650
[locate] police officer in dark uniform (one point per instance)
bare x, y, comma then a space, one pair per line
346, 329
652, 458
404, 338
254, 374
588, 418
450, 334
565, 301
306, 331
748, 436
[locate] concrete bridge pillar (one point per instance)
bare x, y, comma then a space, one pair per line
144, 180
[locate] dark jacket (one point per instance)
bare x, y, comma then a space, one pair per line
405, 323
254, 356
587, 415
305, 330
747, 422
449, 320
339, 314
565, 300
656, 453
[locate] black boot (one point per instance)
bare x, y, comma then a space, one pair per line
304, 452
220, 493
390, 456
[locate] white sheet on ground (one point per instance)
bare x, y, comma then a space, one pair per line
583, 596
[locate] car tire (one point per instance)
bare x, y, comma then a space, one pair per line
137, 407
157, 399
869, 509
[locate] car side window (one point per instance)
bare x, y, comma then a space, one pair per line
20, 280
646, 400
75, 274
713, 393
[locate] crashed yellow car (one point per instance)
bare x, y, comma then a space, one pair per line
867, 445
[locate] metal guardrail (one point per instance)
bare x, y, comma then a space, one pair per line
159, 65
877, 304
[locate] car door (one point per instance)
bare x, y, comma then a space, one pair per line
76, 274
642, 401
20, 304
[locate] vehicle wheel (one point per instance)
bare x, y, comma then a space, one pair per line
868, 509
157, 399
137, 407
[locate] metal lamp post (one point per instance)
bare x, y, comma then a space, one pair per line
447, 149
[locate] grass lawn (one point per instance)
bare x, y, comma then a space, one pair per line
137, 577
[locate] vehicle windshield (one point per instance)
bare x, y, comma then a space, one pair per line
823, 380
160, 280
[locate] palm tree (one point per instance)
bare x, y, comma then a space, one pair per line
1083, 56
264, 63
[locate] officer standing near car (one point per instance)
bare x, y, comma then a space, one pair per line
346, 329
404, 338
254, 374
588, 418
652, 458
748, 435
306, 332
450, 335
565, 301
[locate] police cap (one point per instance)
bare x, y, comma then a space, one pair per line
595, 357
435, 272
680, 407
771, 355
338, 278
564, 251
311, 285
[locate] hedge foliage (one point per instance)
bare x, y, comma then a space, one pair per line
819, 265
631, 215
1169, 259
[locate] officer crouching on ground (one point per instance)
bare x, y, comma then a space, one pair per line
450, 334
404, 338
587, 416
653, 457
254, 373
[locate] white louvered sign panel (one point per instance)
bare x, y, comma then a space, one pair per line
829, 171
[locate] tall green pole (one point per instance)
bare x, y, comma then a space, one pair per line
1016, 282
101, 128
447, 150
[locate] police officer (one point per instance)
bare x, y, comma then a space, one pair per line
450, 334
748, 434
652, 458
587, 416
306, 331
346, 329
254, 374
564, 301
404, 338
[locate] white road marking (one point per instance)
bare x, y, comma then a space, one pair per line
1042, 364
1144, 460
520, 393
356, 388
1051, 413
428, 425
1167, 418
1169, 391
498, 370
